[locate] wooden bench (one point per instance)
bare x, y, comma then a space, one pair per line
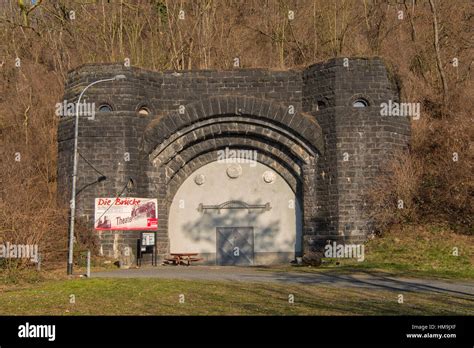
182, 258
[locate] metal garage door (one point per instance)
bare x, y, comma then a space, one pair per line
234, 246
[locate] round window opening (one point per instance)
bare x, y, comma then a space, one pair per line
360, 103
105, 108
143, 111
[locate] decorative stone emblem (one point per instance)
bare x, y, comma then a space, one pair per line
234, 171
199, 179
269, 176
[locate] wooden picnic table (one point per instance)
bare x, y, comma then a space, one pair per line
185, 258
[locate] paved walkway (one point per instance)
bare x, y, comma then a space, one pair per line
256, 274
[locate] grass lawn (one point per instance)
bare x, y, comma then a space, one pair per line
162, 297
425, 252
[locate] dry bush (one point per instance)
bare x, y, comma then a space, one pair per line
434, 179
393, 199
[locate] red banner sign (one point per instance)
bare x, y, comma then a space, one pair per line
126, 213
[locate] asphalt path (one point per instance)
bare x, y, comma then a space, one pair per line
256, 274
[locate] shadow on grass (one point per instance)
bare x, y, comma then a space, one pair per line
389, 269
374, 279
326, 300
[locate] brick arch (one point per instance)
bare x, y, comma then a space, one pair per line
298, 124
236, 140
176, 173
228, 127
212, 145
178, 144
179, 149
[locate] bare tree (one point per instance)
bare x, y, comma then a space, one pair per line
439, 65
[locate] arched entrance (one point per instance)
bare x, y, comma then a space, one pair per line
236, 214
181, 145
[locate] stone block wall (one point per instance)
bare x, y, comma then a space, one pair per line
323, 92
358, 141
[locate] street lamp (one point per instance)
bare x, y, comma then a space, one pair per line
74, 173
